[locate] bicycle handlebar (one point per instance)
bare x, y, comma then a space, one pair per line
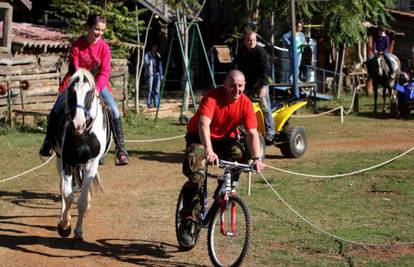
237, 166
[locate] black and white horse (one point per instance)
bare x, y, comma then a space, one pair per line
85, 138
378, 71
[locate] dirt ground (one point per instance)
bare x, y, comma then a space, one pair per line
132, 223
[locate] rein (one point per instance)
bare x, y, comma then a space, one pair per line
89, 119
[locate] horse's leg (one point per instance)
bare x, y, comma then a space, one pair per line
64, 224
375, 87
384, 96
84, 199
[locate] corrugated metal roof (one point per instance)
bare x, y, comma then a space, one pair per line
36, 36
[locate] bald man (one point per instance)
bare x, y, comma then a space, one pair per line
209, 137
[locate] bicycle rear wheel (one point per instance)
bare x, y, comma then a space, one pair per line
178, 220
229, 233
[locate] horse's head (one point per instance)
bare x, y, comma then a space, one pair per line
81, 100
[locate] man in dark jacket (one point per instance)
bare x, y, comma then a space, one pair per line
254, 62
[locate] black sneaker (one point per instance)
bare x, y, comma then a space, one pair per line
185, 233
45, 149
121, 157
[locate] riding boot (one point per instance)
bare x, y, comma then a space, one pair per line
120, 153
46, 148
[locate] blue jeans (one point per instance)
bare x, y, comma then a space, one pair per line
105, 94
387, 60
153, 83
298, 62
266, 107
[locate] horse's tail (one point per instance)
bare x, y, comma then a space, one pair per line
97, 183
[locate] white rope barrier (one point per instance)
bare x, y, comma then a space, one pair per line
154, 140
28, 171
46, 162
317, 115
342, 110
342, 174
326, 232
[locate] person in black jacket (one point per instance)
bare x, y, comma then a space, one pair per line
254, 62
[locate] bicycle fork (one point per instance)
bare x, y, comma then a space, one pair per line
223, 205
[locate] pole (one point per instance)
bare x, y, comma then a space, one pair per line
165, 77
186, 72
206, 57
294, 64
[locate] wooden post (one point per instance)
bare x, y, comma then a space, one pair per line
356, 101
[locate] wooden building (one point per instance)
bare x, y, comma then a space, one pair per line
33, 60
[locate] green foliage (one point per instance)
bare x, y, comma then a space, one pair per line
121, 22
342, 19
188, 7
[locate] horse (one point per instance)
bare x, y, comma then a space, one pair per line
378, 71
84, 137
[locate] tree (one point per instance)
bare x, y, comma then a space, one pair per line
342, 20
122, 26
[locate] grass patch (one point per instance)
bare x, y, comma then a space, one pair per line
375, 206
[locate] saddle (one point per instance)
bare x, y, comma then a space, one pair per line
79, 149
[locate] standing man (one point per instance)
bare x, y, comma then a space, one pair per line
254, 62
209, 138
153, 75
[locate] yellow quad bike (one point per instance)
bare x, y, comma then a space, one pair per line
291, 140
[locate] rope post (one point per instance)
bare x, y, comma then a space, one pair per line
250, 184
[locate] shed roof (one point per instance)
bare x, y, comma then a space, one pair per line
36, 36
28, 35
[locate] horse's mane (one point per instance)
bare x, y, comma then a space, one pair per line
83, 75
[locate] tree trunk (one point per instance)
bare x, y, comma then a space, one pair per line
137, 64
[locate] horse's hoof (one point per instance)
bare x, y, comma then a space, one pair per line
64, 232
78, 239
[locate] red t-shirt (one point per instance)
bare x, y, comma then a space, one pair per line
87, 56
224, 117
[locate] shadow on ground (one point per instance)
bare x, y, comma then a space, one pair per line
134, 251
158, 156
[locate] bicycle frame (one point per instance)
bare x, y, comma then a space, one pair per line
228, 187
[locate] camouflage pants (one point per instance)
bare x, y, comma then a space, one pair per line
194, 167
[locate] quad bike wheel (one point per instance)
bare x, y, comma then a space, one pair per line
295, 144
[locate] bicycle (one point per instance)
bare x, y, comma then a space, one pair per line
227, 219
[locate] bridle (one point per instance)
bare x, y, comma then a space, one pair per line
86, 111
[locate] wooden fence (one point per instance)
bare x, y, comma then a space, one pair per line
33, 83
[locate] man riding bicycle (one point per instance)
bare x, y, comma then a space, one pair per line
209, 137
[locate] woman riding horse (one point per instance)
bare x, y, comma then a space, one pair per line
83, 141
90, 52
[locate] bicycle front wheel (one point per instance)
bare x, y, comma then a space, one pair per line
229, 233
